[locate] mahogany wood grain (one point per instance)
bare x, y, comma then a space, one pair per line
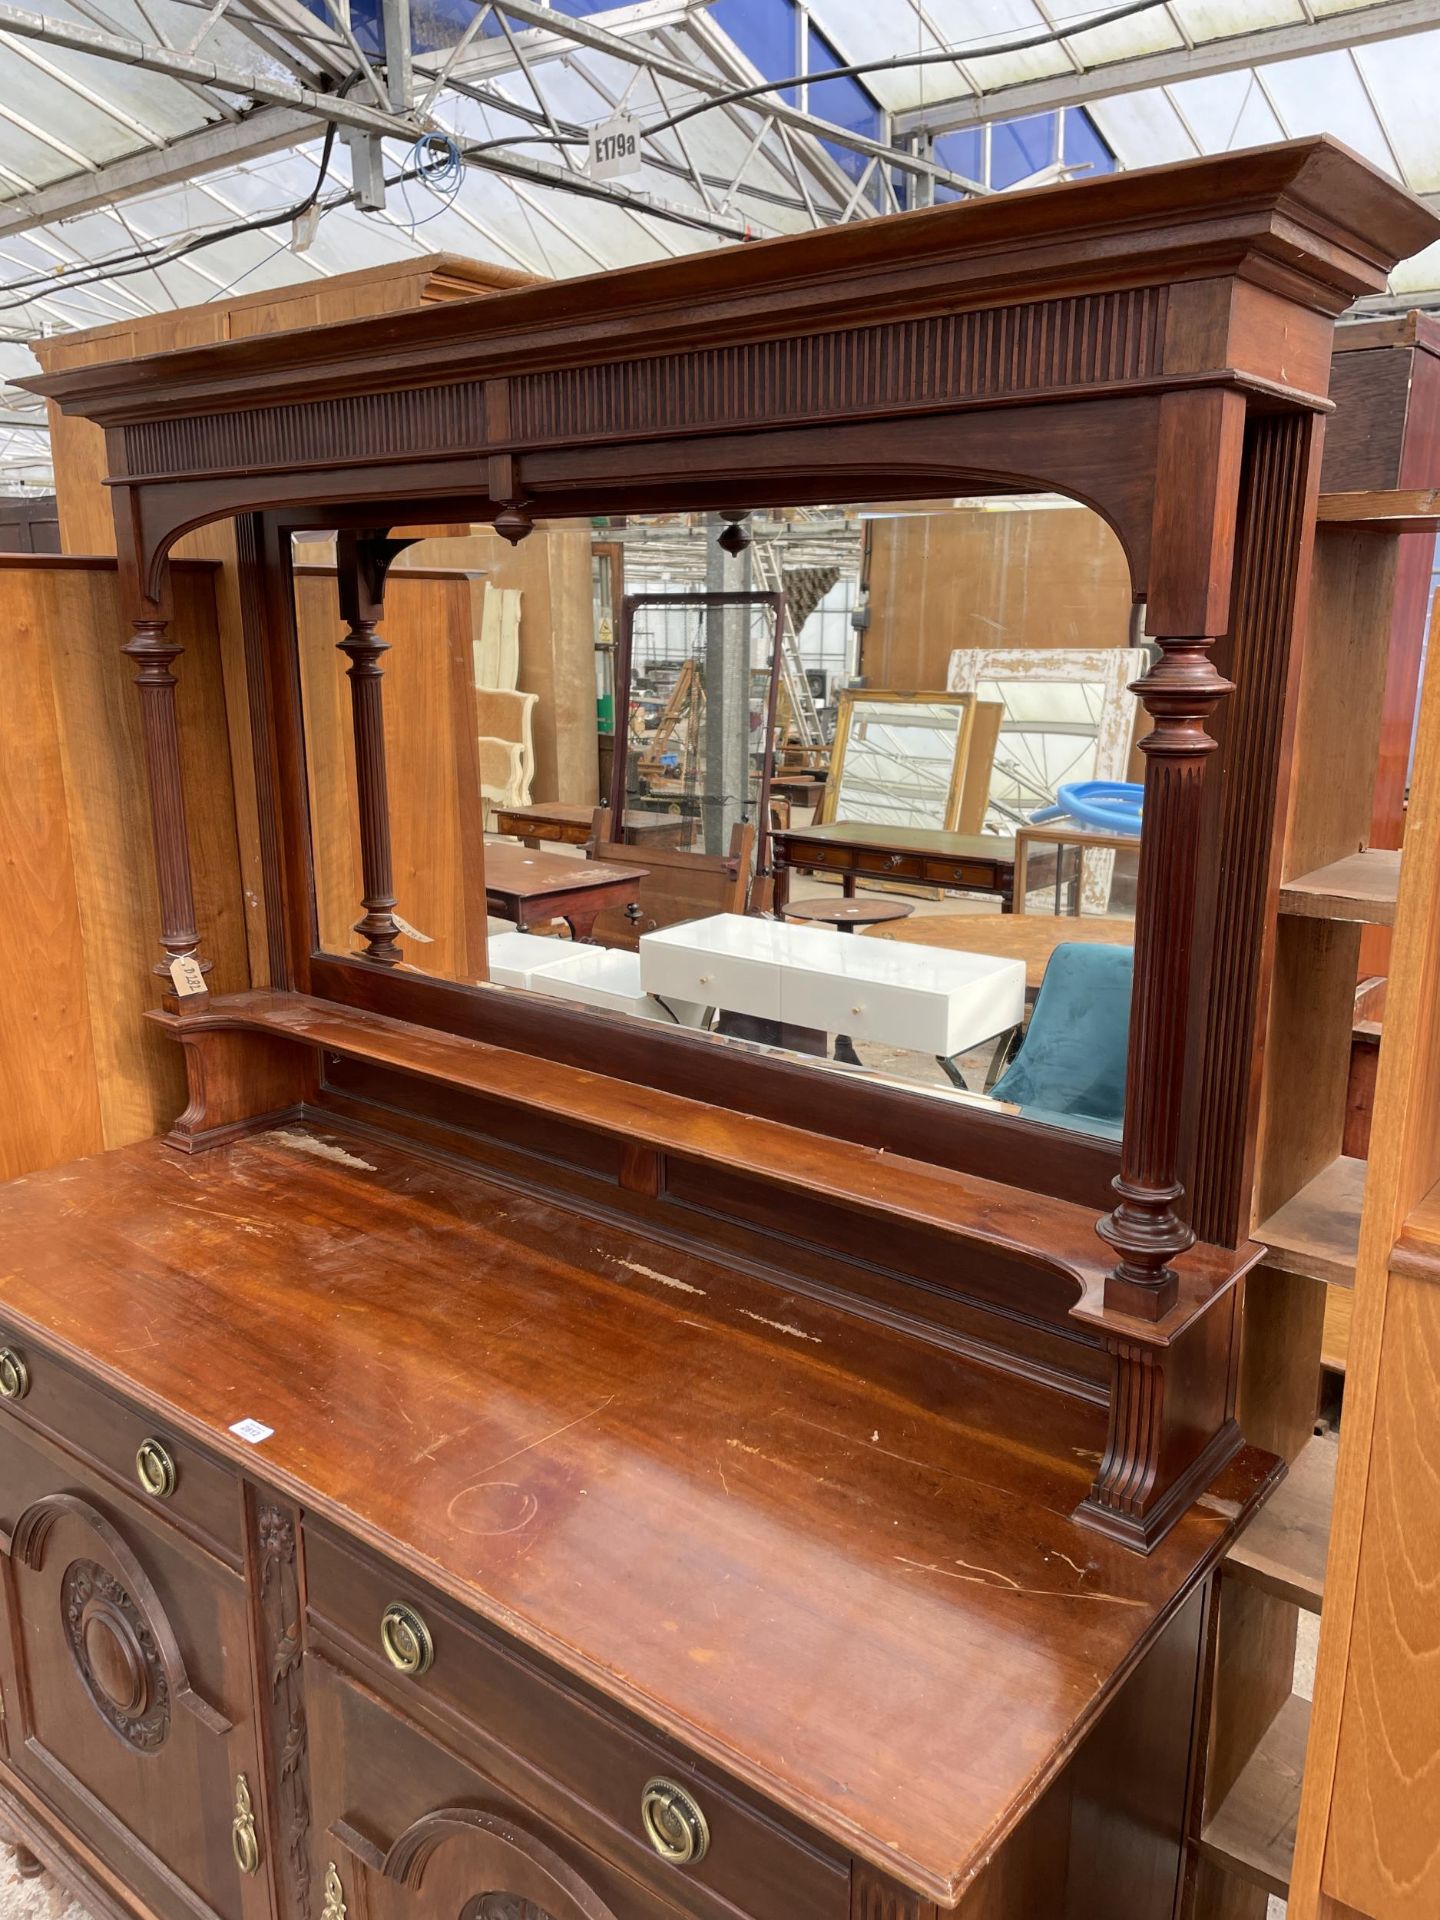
530, 1404
1201, 433
1044, 1233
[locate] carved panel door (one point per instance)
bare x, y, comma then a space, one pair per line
404, 1830
126, 1679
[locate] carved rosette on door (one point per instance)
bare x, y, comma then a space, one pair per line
116, 1655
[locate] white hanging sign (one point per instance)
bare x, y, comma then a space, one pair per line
615, 147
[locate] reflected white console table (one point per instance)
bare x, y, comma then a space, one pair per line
928, 999
591, 976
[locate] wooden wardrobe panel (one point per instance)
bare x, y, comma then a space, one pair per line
1383, 1855
52, 1098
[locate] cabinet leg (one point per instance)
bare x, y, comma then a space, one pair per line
26, 1865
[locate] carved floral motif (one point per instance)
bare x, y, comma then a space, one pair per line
116, 1655
280, 1609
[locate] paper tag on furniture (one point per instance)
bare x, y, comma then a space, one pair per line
186, 976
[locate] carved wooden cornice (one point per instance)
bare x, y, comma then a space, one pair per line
1268, 217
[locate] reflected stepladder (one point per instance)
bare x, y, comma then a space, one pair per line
624, 863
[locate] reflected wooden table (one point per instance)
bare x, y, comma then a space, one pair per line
971, 862
535, 888
1030, 937
557, 823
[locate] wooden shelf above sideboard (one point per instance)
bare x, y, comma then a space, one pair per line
1053, 1236
1361, 887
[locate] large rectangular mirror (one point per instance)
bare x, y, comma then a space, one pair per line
742, 831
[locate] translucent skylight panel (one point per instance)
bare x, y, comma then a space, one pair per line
1219, 19
1142, 33
1144, 129
1225, 111
29, 159
1324, 94
1401, 75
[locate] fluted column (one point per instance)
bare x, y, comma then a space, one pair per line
1179, 693
154, 654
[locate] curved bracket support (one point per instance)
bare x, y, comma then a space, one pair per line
27, 1546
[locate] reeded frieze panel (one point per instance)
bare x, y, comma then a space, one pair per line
1045, 346
1095, 339
448, 419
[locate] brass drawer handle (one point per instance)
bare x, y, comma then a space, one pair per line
243, 1840
674, 1825
14, 1375
155, 1469
406, 1639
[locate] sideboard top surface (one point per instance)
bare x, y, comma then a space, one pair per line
838, 1563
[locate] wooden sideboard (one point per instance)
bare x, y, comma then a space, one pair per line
659, 1516
496, 1460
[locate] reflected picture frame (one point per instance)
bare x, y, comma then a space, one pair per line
976, 726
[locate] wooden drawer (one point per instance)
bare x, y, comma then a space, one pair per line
890, 866
86, 1420
580, 1764
802, 856
962, 873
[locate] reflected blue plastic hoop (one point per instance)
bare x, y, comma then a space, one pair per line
1110, 806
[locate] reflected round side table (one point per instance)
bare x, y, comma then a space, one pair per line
845, 916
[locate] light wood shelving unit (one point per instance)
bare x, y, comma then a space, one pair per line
1252, 1834
1361, 887
1337, 900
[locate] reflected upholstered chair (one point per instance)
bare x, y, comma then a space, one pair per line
1070, 1067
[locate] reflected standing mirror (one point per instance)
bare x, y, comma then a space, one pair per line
698, 676
911, 760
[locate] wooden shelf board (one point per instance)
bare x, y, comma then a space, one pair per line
1385, 510
1054, 1236
1284, 1547
1252, 1834
1360, 887
1317, 1233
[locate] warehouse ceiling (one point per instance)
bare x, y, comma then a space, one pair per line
162, 153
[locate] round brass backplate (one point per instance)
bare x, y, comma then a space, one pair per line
674, 1824
406, 1639
155, 1469
14, 1375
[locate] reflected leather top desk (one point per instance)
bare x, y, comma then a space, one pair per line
559, 824
978, 862
535, 888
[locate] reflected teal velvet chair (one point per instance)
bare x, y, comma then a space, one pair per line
1070, 1068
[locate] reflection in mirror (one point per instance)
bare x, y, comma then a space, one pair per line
700, 676
855, 786
910, 760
